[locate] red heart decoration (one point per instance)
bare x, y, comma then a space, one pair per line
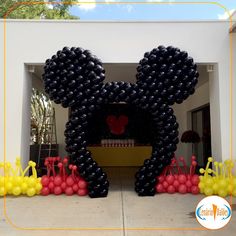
117, 125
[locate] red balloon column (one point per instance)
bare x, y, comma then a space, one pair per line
178, 179
61, 182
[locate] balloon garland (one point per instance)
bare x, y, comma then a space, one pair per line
178, 179
16, 183
61, 182
218, 180
74, 78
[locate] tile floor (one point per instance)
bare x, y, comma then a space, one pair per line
120, 214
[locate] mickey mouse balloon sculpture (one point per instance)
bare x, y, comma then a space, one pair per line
74, 77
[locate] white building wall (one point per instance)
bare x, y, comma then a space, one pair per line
234, 97
118, 42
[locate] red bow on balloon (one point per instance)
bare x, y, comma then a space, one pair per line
117, 125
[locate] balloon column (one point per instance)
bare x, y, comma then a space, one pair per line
178, 179
219, 180
61, 182
15, 182
74, 77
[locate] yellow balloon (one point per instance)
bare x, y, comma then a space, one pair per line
24, 187
9, 187
234, 182
1, 181
222, 183
209, 182
10, 178
31, 192
39, 180
25, 178
234, 193
31, 182
230, 189
201, 185
38, 187
2, 191
201, 178
222, 192
208, 191
215, 188
16, 191
17, 180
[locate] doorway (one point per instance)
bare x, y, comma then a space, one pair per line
201, 123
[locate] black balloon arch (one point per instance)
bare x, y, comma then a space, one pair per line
74, 77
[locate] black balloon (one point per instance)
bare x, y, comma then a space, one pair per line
74, 77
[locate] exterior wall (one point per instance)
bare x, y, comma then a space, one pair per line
31, 42
234, 95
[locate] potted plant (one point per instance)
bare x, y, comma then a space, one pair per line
43, 129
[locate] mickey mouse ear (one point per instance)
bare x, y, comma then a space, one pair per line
72, 75
167, 73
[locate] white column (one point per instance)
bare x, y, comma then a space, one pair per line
26, 114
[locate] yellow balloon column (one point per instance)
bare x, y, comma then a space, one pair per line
219, 180
15, 182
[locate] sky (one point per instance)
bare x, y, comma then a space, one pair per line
151, 11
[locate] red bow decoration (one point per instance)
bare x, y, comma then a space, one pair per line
117, 125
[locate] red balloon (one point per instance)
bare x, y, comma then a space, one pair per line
57, 190
165, 184
195, 180
171, 189
75, 188
176, 184
63, 186
45, 191
160, 188
69, 181
182, 178
160, 179
176, 176
170, 179
82, 192
69, 191
45, 180
57, 180
51, 187
51, 178
82, 184
182, 189
188, 183
194, 190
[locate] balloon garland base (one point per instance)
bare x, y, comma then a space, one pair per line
219, 180
62, 182
15, 183
178, 179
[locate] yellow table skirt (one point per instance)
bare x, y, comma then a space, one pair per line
121, 156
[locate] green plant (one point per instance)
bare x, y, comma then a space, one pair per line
41, 117
25, 9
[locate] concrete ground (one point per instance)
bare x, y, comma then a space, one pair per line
122, 213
